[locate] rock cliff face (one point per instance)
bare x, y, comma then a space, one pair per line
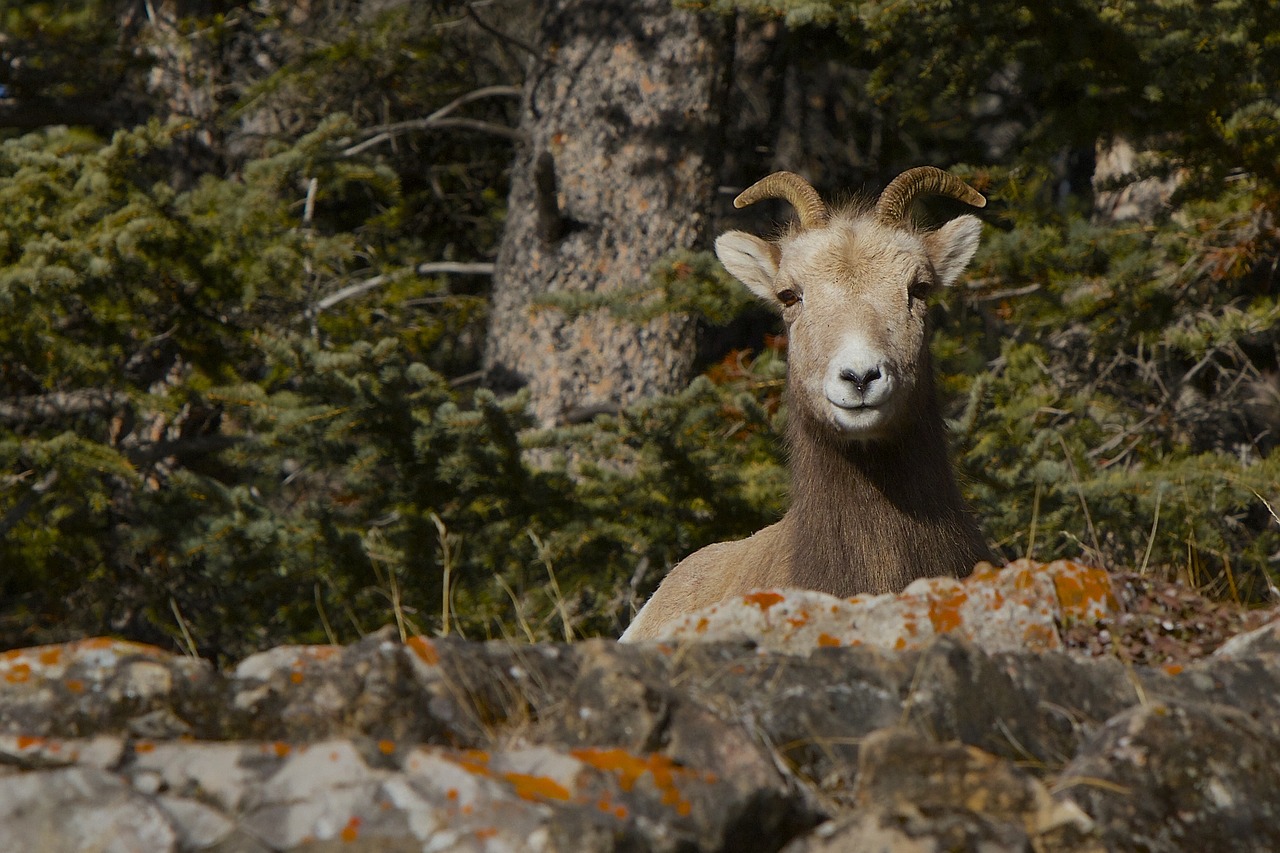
926, 728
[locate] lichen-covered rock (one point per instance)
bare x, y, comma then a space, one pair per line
914, 793
1019, 607
448, 745
1176, 776
1260, 641
313, 692
77, 809
103, 685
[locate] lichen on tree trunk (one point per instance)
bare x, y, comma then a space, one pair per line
622, 119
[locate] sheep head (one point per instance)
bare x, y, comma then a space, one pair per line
852, 288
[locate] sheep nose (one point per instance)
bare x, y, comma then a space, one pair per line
860, 381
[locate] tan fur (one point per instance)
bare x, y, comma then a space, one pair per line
874, 501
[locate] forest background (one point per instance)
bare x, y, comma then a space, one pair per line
323, 315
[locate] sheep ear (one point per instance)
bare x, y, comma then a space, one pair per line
951, 247
750, 260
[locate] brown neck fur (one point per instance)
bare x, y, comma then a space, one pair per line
873, 516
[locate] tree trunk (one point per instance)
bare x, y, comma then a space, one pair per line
622, 123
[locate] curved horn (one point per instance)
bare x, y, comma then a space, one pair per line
792, 188
896, 199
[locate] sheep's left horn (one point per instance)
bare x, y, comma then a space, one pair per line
792, 188
895, 201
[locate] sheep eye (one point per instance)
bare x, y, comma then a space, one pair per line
919, 288
788, 297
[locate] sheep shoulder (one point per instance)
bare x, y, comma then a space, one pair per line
713, 574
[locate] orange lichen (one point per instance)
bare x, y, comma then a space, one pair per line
825, 639
486, 832
944, 611
386, 747
630, 768
280, 748
701, 627
50, 656
1082, 591
351, 831
295, 677
764, 599
1040, 636
1173, 668
474, 761
28, 741
144, 746
424, 649
75, 685
19, 673
539, 788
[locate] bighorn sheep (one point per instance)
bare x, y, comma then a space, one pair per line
874, 503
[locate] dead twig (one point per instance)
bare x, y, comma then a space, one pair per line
439, 120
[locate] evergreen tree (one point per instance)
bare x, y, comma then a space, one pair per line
237, 397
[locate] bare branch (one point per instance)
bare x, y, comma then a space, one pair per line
19, 510
61, 404
432, 268
439, 120
499, 34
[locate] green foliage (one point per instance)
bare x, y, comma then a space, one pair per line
61, 50
191, 447
220, 468
684, 282
1120, 415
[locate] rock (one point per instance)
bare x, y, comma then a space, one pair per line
914, 793
1260, 641
1179, 776
102, 685
960, 739
315, 692
80, 809
1013, 609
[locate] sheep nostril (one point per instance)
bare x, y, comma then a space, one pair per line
860, 381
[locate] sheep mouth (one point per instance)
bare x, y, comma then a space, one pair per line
859, 406
856, 418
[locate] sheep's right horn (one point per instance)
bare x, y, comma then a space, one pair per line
791, 188
895, 201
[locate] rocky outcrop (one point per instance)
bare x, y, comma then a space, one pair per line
1018, 608
717, 744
